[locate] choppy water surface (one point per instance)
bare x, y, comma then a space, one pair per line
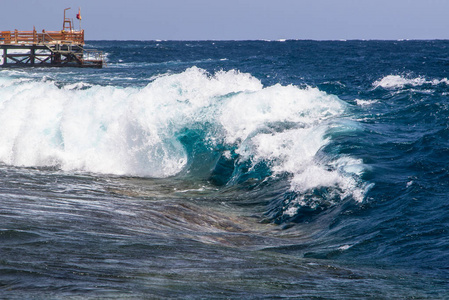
228, 169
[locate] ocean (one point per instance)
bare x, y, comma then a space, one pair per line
228, 170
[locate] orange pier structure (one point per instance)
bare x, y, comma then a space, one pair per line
63, 48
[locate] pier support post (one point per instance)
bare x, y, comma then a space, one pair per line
5, 54
32, 55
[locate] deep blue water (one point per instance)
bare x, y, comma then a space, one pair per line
228, 169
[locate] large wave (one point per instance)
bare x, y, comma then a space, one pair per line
227, 121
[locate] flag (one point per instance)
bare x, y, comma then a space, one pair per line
78, 15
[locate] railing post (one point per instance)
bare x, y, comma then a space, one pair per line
15, 36
8, 37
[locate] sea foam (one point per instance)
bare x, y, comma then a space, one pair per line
135, 131
399, 81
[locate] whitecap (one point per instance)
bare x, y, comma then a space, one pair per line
399, 81
363, 103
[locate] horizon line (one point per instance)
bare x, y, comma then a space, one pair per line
264, 40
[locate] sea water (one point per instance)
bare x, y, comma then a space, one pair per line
228, 169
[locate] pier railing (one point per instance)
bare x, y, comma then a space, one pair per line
44, 37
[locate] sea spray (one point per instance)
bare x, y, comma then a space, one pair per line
142, 131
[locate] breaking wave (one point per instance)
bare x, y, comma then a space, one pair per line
226, 127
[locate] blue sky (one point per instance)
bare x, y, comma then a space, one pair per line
236, 19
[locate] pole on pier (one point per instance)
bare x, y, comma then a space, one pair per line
78, 16
67, 25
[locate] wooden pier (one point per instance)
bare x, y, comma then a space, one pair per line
63, 48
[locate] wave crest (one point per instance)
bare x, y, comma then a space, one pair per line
161, 129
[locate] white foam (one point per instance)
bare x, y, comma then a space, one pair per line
291, 150
399, 81
133, 131
108, 129
344, 247
365, 103
77, 86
